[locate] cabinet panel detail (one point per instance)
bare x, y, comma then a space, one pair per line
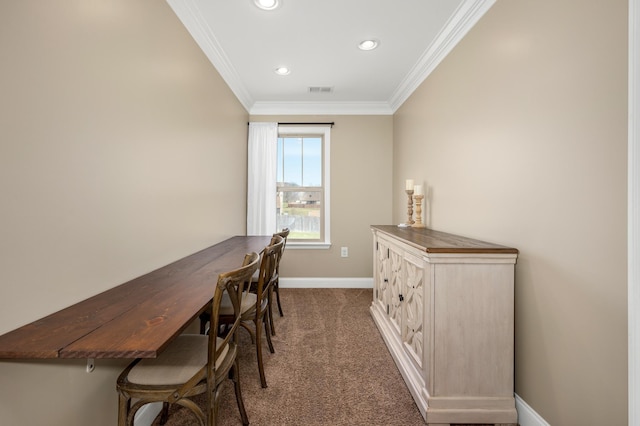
395, 283
413, 308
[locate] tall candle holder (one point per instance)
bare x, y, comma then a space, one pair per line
410, 220
418, 223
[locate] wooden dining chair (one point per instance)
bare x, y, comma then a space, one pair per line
276, 283
275, 288
255, 306
193, 363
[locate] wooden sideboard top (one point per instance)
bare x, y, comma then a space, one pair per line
441, 242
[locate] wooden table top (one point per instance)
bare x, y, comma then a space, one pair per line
432, 241
137, 319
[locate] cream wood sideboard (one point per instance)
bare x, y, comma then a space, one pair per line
444, 306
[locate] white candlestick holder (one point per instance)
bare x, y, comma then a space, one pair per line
418, 222
410, 220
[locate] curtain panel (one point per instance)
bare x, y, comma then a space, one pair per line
261, 178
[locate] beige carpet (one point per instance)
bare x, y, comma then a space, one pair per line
331, 367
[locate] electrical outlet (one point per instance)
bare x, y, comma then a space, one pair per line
344, 252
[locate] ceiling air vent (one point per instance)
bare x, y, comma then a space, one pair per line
318, 89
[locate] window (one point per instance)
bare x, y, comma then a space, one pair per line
302, 185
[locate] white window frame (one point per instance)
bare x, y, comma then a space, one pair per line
325, 132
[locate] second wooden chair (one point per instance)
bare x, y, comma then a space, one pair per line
276, 282
255, 306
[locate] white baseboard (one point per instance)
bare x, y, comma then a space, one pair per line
326, 282
147, 414
527, 415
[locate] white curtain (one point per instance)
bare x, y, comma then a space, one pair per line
261, 178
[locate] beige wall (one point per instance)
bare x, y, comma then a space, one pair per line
361, 176
121, 149
520, 135
115, 129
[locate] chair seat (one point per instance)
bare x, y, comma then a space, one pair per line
178, 363
248, 302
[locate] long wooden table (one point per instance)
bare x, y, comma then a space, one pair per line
137, 319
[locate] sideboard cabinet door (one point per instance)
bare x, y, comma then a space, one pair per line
413, 307
399, 307
388, 281
381, 275
395, 287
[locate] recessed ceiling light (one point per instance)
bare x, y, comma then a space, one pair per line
282, 71
267, 4
368, 44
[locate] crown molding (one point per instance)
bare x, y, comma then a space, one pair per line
320, 108
191, 17
463, 19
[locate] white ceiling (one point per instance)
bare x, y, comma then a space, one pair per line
318, 41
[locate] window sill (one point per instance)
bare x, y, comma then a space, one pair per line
307, 246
